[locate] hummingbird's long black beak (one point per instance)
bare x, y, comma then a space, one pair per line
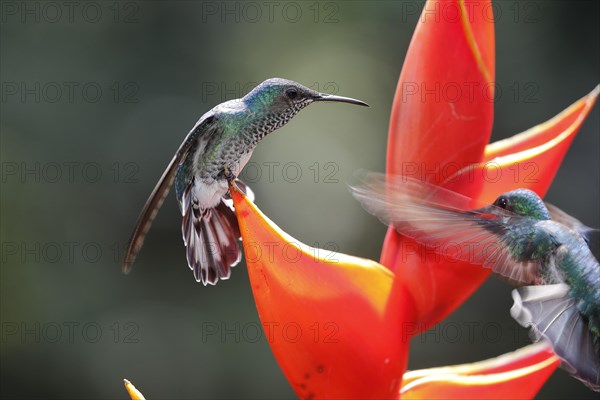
340, 99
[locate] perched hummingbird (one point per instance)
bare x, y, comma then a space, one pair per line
211, 155
536, 246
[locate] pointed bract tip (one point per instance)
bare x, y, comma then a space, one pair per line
132, 391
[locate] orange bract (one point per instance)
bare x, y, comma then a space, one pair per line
428, 133
334, 322
517, 375
446, 61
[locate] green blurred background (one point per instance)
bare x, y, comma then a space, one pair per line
96, 97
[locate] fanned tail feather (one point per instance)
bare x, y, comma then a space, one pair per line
211, 239
553, 315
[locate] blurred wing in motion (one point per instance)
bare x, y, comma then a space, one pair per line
205, 124
552, 314
441, 219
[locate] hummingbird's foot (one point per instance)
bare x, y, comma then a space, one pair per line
229, 175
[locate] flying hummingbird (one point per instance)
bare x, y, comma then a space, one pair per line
536, 246
212, 155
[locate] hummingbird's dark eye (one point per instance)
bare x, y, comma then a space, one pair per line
291, 93
502, 202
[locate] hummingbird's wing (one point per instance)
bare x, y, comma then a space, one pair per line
569, 221
205, 124
552, 314
440, 219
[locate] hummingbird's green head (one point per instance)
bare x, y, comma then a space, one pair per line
280, 95
523, 202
